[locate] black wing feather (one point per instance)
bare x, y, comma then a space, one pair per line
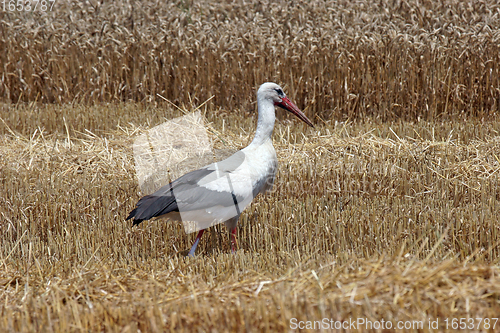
153, 205
163, 201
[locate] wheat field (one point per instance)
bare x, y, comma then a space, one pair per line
384, 217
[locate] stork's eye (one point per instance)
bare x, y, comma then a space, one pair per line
279, 91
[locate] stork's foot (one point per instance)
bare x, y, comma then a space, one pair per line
183, 253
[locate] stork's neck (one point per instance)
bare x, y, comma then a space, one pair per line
265, 124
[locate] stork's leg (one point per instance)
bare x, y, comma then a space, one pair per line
193, 249
232, 225
234, 242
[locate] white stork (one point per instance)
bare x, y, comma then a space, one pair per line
219, 192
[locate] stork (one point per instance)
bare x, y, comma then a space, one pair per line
219, 192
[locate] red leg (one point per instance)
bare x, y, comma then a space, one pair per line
234, 242
193, 249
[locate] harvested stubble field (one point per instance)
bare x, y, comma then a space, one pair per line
387, 210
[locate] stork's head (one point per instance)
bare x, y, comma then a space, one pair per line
273, 92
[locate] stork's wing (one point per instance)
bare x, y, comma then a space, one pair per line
214, 185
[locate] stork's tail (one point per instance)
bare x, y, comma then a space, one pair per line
151, 206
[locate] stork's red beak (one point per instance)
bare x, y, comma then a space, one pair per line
290, 107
